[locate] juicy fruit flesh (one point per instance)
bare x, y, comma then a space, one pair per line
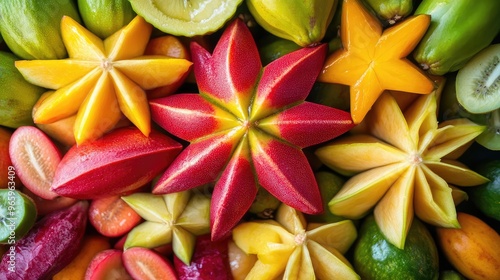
186, 18
478, 82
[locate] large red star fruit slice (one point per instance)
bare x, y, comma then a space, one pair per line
247, 127
117, 163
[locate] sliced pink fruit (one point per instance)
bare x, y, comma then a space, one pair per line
35, 158
210, 261
120, 161
107, 265
146, 264
49, 246
112, 217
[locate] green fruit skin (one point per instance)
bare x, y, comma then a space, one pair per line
302, 21
32, 28
375, 258
18, 209
105, 17
329, 185
391, 11
459, 29
486, 197
17, 96
272, 48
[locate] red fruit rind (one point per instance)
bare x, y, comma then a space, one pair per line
308, 124
49, 246
198, 164
196, 119
35, 158
120, 161
143, 263
284, 171
228, 205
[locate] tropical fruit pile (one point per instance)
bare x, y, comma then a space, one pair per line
250, 139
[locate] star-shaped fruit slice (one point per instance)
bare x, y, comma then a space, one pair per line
293, 249
405, 163
101, 79
247, 127
175, 218
373, 60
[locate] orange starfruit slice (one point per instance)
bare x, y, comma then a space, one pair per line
373, 60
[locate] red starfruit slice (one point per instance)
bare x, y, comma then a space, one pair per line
247, 127
118, 162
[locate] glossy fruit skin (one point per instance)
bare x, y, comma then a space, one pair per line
450, 41
375, 258
391, 11
31, 28
473, 249
210, 261
49, 246
17, 96
486, 197
303, 22
103, 18
119, 162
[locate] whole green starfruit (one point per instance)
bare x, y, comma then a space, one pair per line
303, 22
247, 127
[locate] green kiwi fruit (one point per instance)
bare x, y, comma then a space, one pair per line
478, 82
490, 138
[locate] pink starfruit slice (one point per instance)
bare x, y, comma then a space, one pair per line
119, 162
247, 127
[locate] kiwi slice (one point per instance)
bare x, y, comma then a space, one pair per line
17, 215
490, 138
186, 18
478, 82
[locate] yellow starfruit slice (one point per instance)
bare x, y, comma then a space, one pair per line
101, 79
289, 248
399, 167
